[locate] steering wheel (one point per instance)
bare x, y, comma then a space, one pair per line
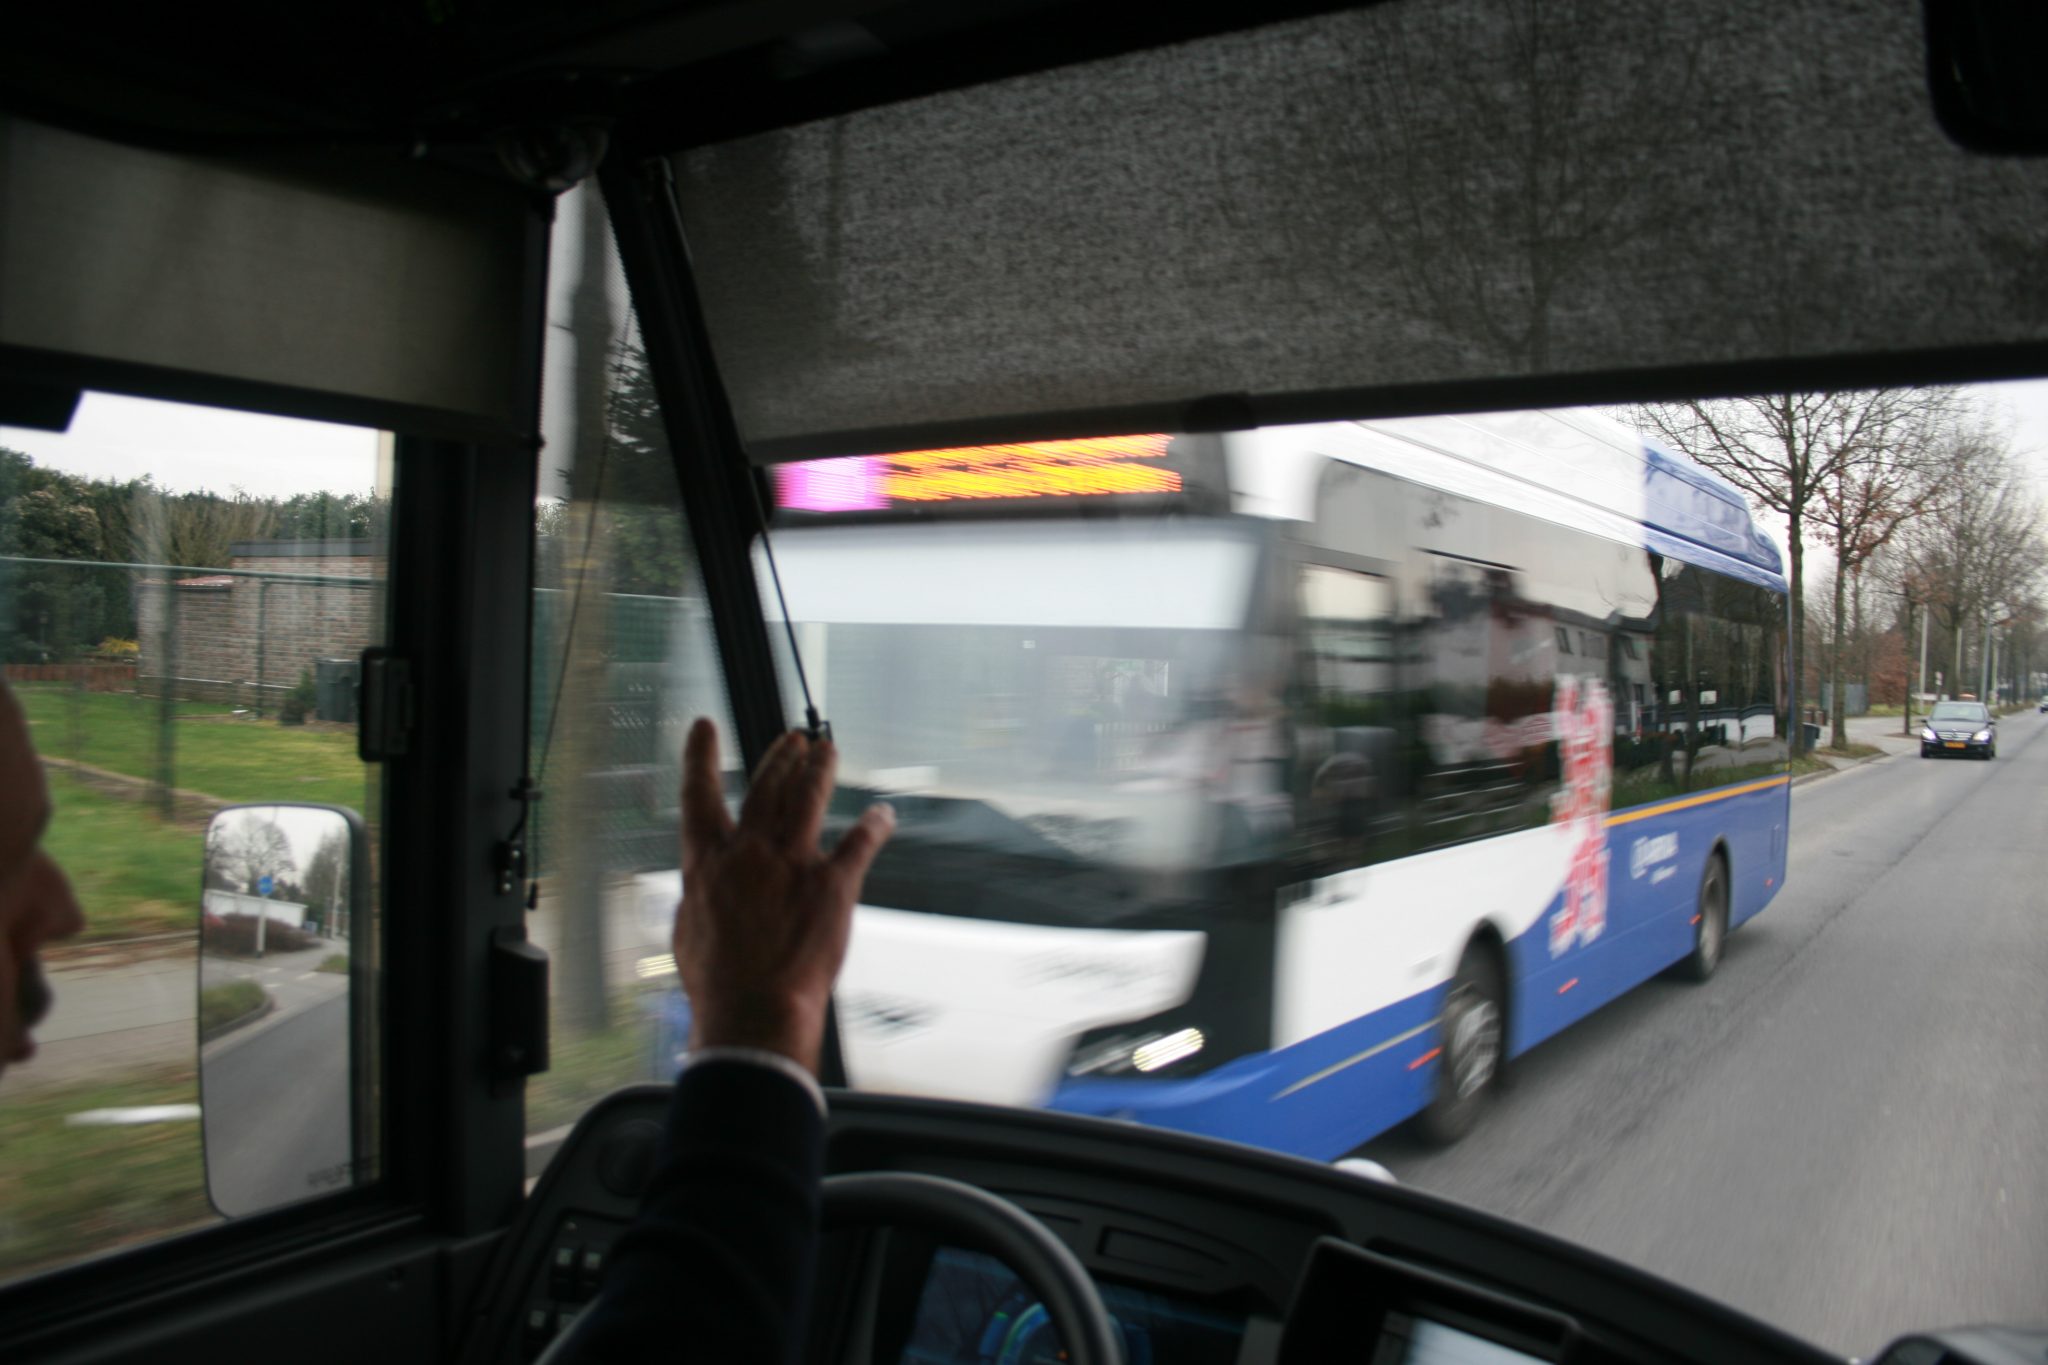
961, 1215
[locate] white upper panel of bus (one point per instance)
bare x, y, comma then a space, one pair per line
1577, 468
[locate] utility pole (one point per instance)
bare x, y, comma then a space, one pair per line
1908, 730
1926, 623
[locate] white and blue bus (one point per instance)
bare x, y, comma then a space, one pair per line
1282, 785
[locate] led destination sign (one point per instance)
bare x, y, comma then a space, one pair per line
1096, 466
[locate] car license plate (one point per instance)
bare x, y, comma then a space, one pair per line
1955, 744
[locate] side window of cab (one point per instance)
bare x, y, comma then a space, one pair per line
185, 597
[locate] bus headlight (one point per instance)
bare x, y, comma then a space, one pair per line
1135, 1053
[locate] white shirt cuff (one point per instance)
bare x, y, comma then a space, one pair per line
760, 1056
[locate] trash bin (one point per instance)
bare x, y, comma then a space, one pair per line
1812, 737
334, 688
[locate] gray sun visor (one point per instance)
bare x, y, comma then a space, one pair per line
390, 284
1364, 213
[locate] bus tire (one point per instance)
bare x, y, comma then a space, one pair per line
1710, 924
1474, 1043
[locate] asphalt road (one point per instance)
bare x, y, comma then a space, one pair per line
1845, 1132
276, 1111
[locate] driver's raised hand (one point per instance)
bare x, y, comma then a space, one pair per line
763, 923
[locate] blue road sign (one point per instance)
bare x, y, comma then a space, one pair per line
263, 885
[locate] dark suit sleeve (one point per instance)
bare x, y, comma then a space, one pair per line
718, 1266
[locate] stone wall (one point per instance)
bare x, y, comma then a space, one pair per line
245, 637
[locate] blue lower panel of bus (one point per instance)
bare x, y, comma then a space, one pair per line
1319, 1098
1655, 867
1322, 1097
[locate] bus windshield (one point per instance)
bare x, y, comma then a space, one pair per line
1037, 688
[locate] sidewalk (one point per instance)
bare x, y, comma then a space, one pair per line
119, 1008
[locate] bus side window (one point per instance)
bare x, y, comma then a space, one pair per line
1347, 783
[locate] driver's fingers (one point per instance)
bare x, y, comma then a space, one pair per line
859, 845
706, 822
764, 793
809, 794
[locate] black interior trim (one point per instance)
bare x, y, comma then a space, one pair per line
711, 470
57, 369
1214, 412
913, 50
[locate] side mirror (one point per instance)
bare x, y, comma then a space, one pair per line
282, 914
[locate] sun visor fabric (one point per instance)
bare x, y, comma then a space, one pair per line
399, 284
1353, 205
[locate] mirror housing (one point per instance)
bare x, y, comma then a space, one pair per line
283, 938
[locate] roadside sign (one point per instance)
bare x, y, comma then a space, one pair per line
263, 885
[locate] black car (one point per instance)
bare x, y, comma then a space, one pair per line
1959, 727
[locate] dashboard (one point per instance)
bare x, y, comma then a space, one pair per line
1205, 1253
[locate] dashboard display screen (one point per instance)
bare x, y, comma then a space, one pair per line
975, 1311
1418, 1341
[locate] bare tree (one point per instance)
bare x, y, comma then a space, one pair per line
1785, 450
1976, 553
1893, 473
326, 884
250, 849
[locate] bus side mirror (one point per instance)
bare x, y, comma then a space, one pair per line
282, 915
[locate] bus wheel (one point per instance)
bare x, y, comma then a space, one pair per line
1473, 1032
1710, 927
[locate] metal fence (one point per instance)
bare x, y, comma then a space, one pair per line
176, 641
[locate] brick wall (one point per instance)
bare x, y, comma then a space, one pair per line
240, 637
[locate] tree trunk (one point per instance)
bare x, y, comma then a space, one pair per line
1797, 629
1955, 679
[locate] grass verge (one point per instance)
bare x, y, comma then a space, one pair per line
334, 962
237, 758
69, 1192
1851, 750
1807, 763
132, 873
223, 1004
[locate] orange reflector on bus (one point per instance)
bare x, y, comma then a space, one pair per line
1426, 1058
1567, 985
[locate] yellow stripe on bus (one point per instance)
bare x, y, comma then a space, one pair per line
1683, 803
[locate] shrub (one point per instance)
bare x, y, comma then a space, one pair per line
300, 701
224, 1004
115, 650
235, 936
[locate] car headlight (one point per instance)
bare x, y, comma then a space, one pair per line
1982, 736
1929, 735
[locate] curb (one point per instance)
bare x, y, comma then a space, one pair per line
239, 1021
1805, 778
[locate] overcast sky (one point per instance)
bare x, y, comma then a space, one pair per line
185, 448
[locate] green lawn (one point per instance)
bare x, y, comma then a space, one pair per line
69, 1191
237, 758
228, 1002
133, 874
